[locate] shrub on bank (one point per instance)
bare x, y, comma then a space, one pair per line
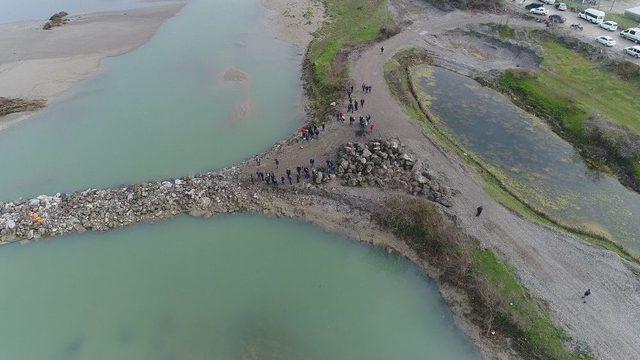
500, 303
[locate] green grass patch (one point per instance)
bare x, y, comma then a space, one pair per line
529, 315
570, 86
624, 21
350, 23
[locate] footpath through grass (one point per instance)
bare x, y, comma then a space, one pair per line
350, 23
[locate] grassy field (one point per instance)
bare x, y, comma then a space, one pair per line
624, 21
568, 89
350, 23
570, 78
500, 302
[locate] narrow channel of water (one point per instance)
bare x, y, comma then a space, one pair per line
164, 109
538, 164
236, 287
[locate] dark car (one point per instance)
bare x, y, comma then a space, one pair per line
557, 19
533, 6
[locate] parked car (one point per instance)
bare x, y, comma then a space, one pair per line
549, 2
606, 40
609, 25
533, 6
555, 18
632, 34
540, 11
633, 51
592, 15
561, 6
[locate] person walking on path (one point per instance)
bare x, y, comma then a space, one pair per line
381, 49
586, 293
479, 211
312, 161
361, 103
355, 105
277, 163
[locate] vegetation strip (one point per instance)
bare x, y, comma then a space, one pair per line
398, 76
590, 103
351, 23
501, 305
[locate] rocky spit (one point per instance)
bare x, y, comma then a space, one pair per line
384, 164
377, 163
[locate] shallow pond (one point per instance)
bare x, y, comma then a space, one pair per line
236, 287
538, 164
163, 110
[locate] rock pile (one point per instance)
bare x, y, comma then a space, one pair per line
57, 19
101, 210
385, 164
14, 105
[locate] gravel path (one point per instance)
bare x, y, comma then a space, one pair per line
554, 266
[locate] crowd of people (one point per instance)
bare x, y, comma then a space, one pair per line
310, 172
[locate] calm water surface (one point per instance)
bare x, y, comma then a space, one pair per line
163, 110
541, 166
228, 288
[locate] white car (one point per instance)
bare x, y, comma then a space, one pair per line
633, 51
561, 6
609, 25
549, 2
606, 40
539, 11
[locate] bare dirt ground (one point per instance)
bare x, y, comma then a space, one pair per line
295, 20
556, 267
39, 64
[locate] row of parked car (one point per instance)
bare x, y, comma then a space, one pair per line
593, 16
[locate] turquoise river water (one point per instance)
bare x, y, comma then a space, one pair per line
537, 163
237, 287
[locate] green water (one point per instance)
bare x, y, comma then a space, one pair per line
228, 288
163, 110
237, 287
536, 163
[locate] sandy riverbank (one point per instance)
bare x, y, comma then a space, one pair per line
295, 21
38, 64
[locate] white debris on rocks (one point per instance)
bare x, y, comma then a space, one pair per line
385, 164
101, 210
379, 163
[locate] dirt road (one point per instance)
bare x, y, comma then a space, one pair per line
554, 266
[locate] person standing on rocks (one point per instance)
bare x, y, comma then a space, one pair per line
277, 163
312, 161
381, 49
361, 103
355, 105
